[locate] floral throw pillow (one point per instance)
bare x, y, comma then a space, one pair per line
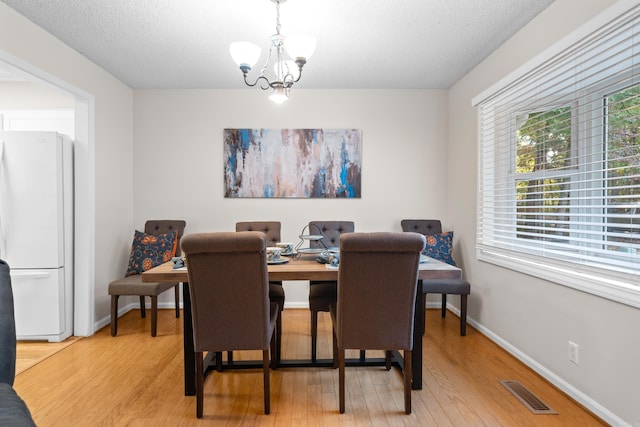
148, 251
440, 246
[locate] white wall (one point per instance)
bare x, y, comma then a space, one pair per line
29, 96
179, 167
103, 182
533, 318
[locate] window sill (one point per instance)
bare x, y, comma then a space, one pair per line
594, 281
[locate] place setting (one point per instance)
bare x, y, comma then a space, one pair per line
279, 254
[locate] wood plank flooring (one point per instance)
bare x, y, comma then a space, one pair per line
136, 380
30, 353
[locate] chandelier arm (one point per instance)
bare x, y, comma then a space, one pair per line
264, 82
288, 79
299, 75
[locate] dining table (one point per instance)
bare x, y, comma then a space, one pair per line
303, 269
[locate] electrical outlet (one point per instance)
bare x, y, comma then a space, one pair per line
573, 352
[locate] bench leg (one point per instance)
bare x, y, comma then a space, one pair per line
114, 315
463, 315
143, 307
154, 315
444, 305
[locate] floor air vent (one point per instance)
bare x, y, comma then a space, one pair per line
527, 398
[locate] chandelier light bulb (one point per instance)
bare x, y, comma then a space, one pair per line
279, 95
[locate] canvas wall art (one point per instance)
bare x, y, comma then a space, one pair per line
292, 163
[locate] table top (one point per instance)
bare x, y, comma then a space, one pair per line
302, 269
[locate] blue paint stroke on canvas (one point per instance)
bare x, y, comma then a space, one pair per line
292, 163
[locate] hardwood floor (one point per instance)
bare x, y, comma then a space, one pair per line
136, 380
30, 353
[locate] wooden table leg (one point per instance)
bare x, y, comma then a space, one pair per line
189, 354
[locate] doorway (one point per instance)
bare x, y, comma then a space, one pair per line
82, 105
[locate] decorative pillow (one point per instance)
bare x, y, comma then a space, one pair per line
148, 251
440, 247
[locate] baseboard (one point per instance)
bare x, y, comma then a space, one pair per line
591, 405
297, 305
99, 324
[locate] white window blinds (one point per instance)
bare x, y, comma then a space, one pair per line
559, 158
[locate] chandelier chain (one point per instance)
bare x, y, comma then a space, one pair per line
278, 17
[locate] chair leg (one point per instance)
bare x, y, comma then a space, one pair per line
114, 315
463, 315
274, 352
229, 358
407, 381
423, 304
279, 337
341, 379
363, 355
387, 360
219, 361
177, 297
154, 315
267, 394
314, 335
335, 349
199, 384
444, 305
143, 307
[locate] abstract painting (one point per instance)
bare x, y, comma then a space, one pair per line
292, 163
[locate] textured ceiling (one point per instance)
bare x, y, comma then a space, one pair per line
390, 44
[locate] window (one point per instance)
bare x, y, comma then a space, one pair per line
544, 165
559, 172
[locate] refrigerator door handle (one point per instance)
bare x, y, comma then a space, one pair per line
30, 274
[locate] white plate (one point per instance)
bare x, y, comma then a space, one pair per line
311, 236
311, 250
278, 261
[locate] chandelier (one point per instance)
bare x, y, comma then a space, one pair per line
286, 71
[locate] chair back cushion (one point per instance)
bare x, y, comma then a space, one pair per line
271, 229
439, 244
148, 251
331, 232
377, 284
422, 226
162, 226
7, 327
228, 282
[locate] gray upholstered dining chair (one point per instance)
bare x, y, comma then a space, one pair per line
377, 286
132, 285
271, 230
229, 288
430, 227
13, 410
323, 293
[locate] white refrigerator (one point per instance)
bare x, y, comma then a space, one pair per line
36, 231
